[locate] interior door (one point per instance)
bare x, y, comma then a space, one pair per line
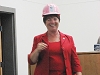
0, 50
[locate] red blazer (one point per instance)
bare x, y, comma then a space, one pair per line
72, 62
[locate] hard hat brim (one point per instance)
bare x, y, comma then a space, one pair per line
51, 13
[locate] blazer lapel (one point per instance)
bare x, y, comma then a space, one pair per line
44, 38
62, 38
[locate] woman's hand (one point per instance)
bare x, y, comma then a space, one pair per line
41, 46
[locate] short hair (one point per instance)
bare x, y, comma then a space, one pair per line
45, 17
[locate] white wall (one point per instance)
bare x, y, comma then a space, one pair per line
78, 18
81, 19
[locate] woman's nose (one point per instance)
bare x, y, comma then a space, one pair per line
52, 20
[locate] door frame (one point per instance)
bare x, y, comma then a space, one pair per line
9, 53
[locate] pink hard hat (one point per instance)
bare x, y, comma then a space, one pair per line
50, 9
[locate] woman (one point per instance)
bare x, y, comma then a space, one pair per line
53, 51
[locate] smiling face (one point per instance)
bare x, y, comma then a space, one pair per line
52, 23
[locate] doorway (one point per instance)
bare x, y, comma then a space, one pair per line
8, 51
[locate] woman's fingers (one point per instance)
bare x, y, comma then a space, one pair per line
42, 46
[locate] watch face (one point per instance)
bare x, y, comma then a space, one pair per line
96, 47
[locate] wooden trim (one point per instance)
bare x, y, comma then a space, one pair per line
94, 52
0, 49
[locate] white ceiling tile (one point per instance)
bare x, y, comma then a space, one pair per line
40, 1
62, 2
